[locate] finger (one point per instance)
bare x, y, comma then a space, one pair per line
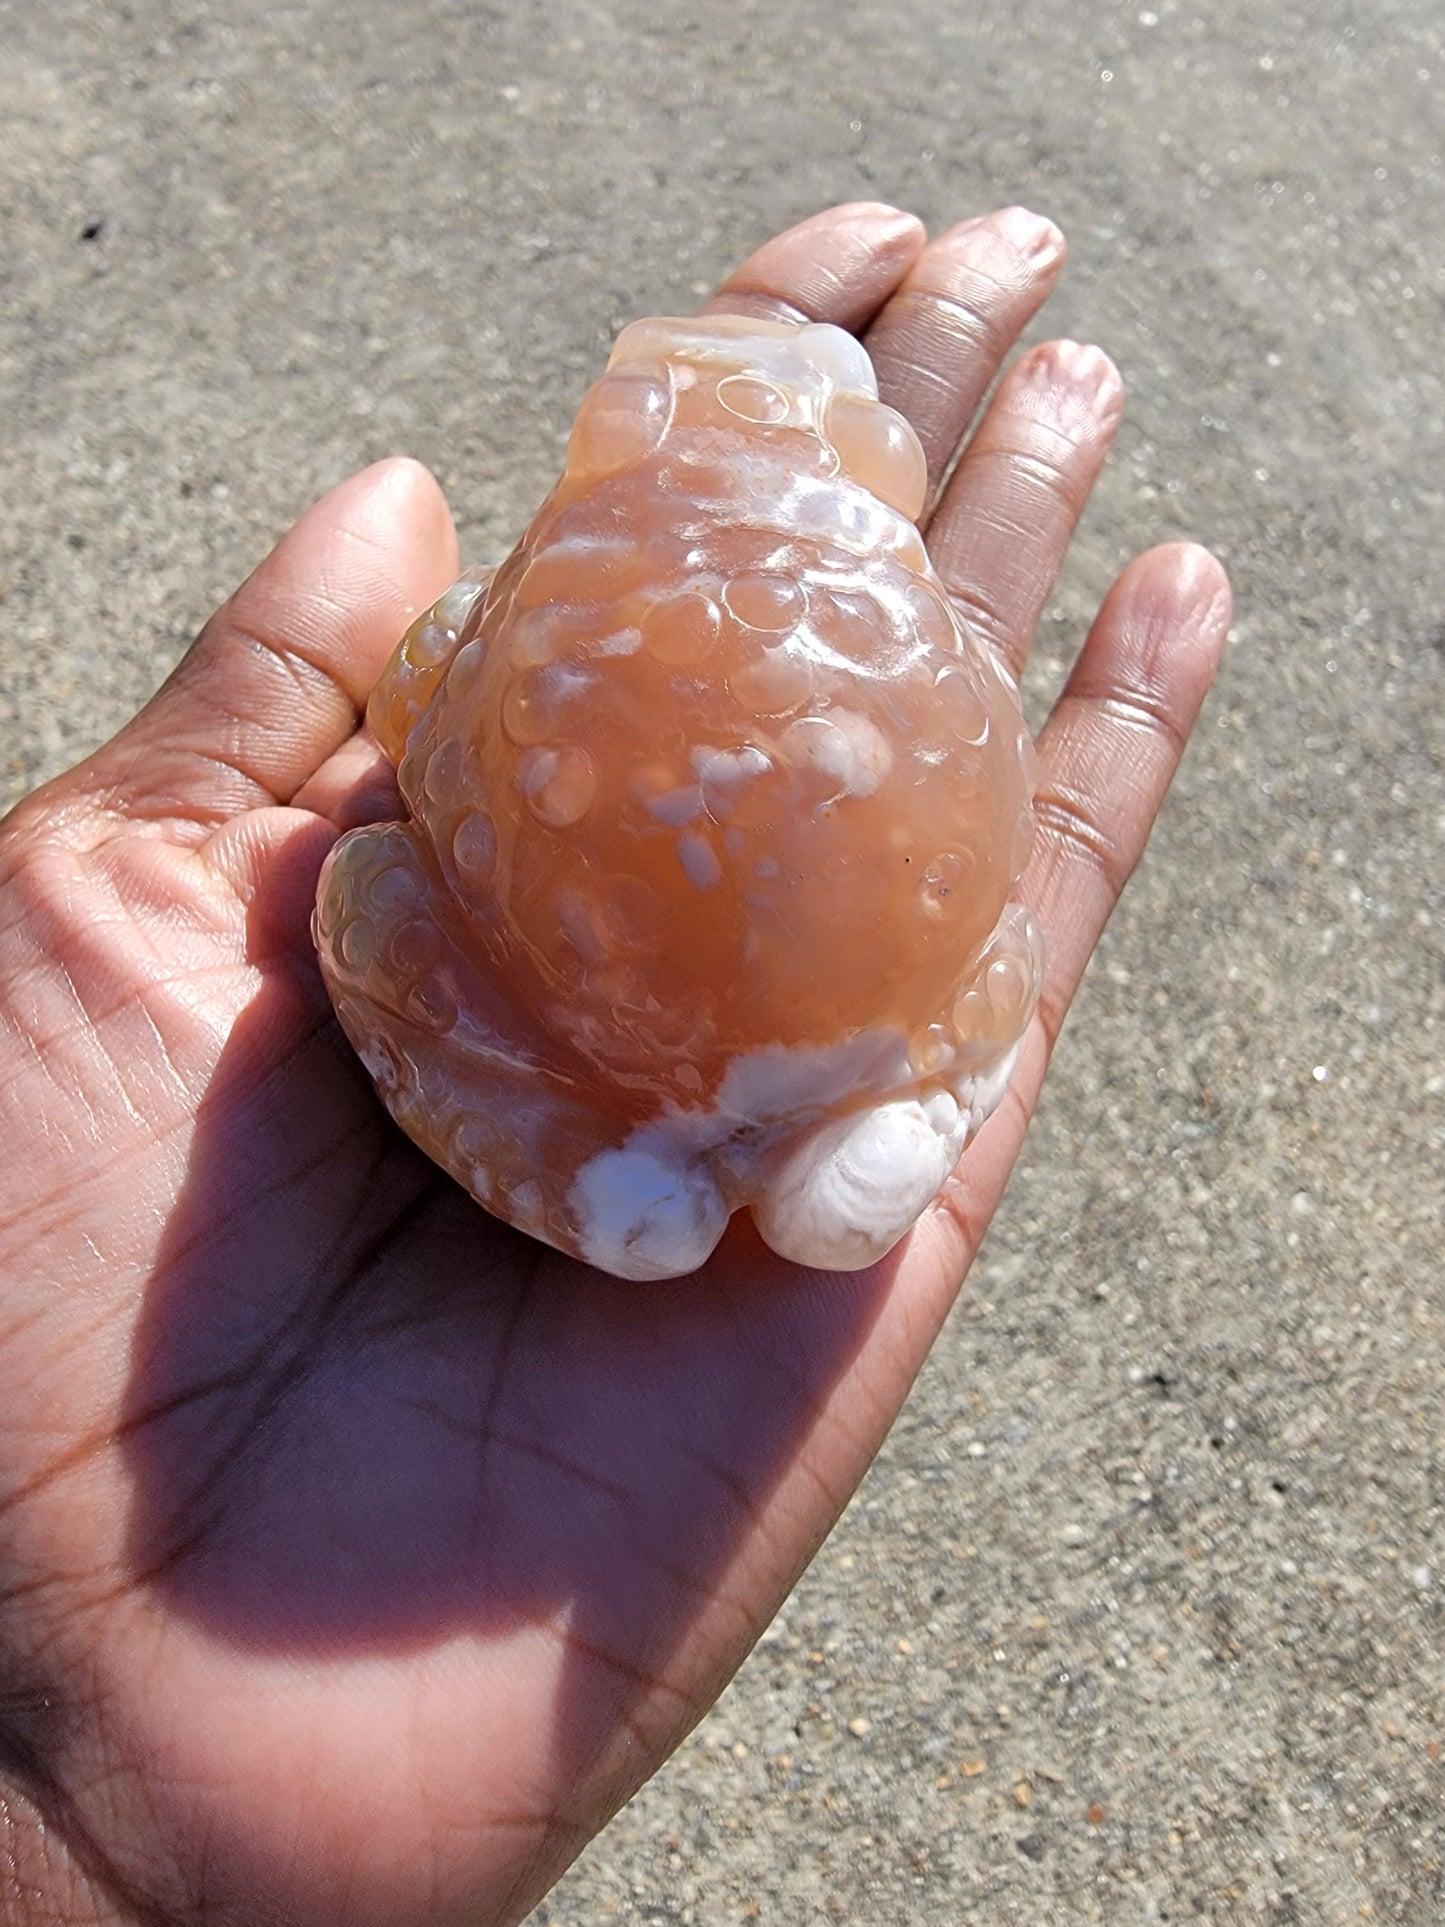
942, 336
278, 677
1108, 752
355, 785
1000, 532
838, 266
1107, 755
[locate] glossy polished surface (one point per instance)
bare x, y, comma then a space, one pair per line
715, 813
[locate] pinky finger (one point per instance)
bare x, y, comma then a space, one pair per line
1109, 750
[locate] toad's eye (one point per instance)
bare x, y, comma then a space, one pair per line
714, 813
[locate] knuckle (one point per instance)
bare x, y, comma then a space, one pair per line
1076, 835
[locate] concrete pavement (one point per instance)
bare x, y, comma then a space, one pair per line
1141, 1614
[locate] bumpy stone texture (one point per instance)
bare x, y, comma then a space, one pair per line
715, 813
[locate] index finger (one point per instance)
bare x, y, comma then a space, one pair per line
839, 266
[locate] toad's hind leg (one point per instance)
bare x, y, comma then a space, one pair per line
422, 658
852, 1188
473, 1082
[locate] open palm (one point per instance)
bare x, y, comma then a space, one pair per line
358, 1556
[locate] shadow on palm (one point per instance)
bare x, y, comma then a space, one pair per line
365, 1417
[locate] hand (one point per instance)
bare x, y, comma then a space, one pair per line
359, 1557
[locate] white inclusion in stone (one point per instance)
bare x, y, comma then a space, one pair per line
981, 1094
639, 1216
676, 806
842, 747
815, 357
699, 859
380, 1064
763, 1085
851, 1190
841, 357
458, 602
526, 1208
727, 768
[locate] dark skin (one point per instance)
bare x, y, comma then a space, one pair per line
359, 1557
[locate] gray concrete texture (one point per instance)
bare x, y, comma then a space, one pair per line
1140, 1616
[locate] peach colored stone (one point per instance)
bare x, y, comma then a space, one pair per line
715, 811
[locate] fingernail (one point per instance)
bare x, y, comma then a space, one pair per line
1204, 587
1077, 371
883, 221
1028, 234
1032, 234
869, 214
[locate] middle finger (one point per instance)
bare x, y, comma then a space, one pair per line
942, 337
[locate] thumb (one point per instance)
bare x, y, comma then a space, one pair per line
279, 676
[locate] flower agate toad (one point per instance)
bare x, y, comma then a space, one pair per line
715, 808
